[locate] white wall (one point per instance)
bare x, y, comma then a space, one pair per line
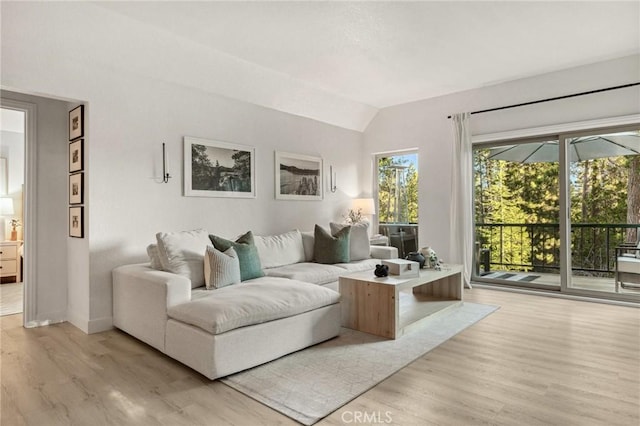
128, 116
425, 125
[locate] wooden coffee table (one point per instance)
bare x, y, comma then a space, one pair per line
391, 306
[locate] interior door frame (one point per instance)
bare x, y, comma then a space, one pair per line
29, 212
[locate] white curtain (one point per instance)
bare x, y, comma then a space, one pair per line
461, 196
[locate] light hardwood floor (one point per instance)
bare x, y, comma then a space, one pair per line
536, 361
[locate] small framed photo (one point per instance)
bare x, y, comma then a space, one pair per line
218, 169
76, 156
76, 123
76, 222
76, 188
298, 177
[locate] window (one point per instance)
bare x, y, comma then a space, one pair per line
398, 199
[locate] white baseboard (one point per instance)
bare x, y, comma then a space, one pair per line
90, 326
100, 324
79, 321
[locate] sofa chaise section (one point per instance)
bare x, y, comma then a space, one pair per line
251, 323
160, 309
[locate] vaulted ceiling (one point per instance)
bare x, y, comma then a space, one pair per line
340, 62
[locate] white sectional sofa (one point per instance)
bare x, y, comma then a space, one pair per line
221, 331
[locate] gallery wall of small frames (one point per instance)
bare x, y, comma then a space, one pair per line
76, 172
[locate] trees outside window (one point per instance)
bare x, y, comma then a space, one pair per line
398, 188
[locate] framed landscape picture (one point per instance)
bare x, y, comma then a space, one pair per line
218, 169
298, 177
76, 190
76, 123
76, 222
76, 156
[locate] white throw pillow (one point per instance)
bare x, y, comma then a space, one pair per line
154, 257
359, 247
308, 241
221, 268
183, 253
280, 250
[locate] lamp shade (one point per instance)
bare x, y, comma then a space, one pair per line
6, 206
365, 205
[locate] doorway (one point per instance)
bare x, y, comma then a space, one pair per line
12, 180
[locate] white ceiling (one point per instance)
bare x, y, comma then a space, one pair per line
378, 54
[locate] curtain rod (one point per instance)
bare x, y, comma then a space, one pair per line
555, 99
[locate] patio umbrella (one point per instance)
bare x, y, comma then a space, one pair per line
580, 149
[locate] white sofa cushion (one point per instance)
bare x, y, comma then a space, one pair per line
629, 265
308, 241
359, 247
252, 302
315, 273
280, 250
221, 268
154, 256
183, 253
358, 266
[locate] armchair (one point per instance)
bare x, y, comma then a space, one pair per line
627, 274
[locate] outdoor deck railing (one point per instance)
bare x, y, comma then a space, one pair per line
536, 246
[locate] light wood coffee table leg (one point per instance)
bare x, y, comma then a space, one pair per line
370, 307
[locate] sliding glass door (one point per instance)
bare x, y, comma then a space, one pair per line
604, 215
554, 212
516, 213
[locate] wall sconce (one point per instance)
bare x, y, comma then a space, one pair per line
165, 174
333, 179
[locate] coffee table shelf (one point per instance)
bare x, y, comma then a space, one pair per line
392, 306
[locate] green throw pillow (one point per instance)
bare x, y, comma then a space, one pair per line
331, 249
250, 266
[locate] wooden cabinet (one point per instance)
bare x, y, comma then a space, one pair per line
10, 259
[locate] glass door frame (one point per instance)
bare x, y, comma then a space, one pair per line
501, 282
565, 218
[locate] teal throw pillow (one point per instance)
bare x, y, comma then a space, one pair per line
247, 252
331, 249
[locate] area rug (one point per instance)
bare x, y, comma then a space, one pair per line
312, 383
10, 299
